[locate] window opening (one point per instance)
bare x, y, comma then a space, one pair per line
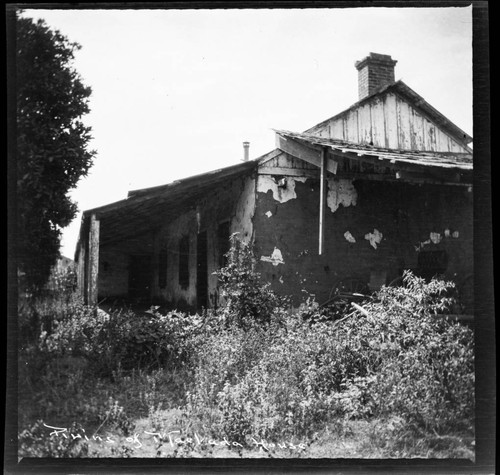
184, 262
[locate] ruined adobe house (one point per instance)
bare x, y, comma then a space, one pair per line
383, 186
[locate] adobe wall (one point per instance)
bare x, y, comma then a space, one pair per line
372, 230
234, 203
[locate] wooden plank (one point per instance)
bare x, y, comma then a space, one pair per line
268, 156
286, 171
308, 154
337, 129
406, 177
352, 126
322, 200
365, 125
404, 139
391, 126
418, 131
378, 123
296, 149
93, 257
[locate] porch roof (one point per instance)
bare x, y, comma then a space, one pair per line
407, 165
146, 209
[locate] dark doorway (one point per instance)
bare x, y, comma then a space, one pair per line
202, 270
139, 277
184, 262
432, 263
223, 242
162, 269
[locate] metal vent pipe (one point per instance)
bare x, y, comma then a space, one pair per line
246, 149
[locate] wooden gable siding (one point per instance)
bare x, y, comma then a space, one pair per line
287, 165
388, 122
284, 160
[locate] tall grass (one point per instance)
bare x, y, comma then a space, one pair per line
391, 379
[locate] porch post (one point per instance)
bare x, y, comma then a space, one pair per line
322, 191
93, 260
81, 268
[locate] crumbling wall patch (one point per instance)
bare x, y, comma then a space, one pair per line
341, 192
245, 209
275, 258
374, 238
349, 237
283, 189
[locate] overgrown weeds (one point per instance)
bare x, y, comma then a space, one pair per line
394, 379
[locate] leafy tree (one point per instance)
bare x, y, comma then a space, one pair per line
52, 143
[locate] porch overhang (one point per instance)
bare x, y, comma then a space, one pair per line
374, 163
142, 212
362, 162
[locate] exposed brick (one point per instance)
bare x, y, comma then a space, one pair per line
374, 72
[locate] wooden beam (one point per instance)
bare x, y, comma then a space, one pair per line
311, 155
269, 156
412, 180
93, 259
322, 200
287, 171
399, 165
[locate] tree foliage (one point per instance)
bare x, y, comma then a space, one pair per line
52, 143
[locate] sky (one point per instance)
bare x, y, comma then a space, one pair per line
176, 92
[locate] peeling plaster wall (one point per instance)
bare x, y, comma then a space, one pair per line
242, 222
397, 217
283, 188
374, 238
233, 203
340, 192
275, 258
280, 215
185, 225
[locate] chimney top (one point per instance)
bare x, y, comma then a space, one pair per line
374, 72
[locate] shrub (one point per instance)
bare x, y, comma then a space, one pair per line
253, 369
422, 362
395, 358
36, 442
115, 417
247, 299
55, 301
123, 339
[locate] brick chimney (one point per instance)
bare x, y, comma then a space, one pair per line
374, 72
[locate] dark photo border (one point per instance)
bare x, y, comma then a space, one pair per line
485, 348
